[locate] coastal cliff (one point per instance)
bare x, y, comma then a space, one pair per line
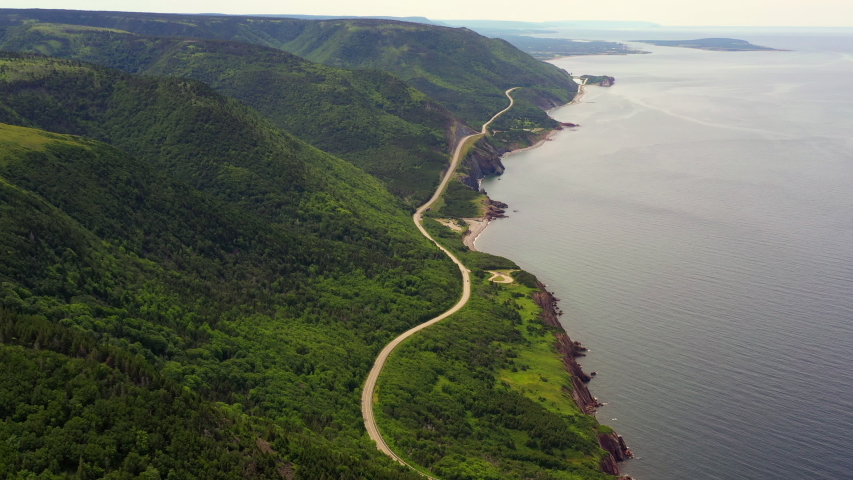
569, 350
614, 444
483, 159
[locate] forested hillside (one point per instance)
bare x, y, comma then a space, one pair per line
244, 264
367, 117
464, 71
189, 290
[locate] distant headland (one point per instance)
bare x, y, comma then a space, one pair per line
715, 44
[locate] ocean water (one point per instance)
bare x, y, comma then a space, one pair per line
698, 227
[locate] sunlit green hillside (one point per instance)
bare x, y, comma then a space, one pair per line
238, 261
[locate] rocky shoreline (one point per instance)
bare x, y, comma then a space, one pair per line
487, 161
611, 442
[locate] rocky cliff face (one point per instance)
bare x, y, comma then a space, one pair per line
456, 131
495, 209
484, 159
569, 350
611, 442
615, 444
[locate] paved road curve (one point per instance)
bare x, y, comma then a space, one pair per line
370, 385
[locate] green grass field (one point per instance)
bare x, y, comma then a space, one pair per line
538, 373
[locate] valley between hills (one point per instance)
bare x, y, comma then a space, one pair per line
206, 227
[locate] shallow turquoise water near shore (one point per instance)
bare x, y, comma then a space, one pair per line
698, 228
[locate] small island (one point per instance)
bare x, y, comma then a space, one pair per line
600, 80
715, 44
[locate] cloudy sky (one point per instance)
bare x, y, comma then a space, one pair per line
829, 13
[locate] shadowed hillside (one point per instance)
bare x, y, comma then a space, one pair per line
368, 117
464, 71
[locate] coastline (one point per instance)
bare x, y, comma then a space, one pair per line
609, 440
538, 144
476, 226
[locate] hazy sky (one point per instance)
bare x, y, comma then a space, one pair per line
838, 13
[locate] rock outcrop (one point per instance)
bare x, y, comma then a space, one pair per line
456, 131
569, 350
483, 159
495, 209
614, 444
608, 465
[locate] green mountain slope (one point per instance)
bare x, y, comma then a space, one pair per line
248, 276
73, 408
367, 117
464, 71
243, 263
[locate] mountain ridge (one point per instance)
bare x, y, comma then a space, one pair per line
369, 118
464, 71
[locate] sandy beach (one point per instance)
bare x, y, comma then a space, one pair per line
475, 228
581, 92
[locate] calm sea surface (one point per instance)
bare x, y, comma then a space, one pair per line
698, 228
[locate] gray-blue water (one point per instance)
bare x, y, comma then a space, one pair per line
698, 228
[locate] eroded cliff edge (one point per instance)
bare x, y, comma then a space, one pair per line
611, 442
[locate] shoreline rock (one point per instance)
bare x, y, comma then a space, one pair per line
614, 444
495, 209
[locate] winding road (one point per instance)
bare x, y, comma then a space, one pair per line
367, 395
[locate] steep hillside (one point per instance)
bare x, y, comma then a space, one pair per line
367, 117
244, 264
75, 408
464, 71
186, 249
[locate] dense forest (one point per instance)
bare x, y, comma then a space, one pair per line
367, 117
191, 288
270, 294
465, 72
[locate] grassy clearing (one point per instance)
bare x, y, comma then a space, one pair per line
15, 141
450, 402
501, 276
538, 373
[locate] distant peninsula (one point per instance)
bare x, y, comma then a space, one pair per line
716, 44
